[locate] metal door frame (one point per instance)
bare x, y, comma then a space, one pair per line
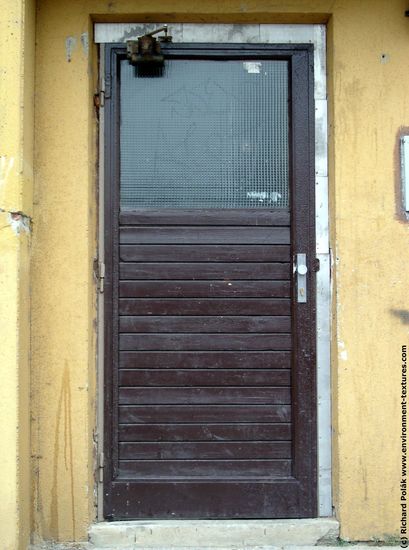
273, 34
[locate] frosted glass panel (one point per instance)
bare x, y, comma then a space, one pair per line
205, 134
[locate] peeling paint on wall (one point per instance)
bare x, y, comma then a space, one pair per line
344, 355
19, 222
343, 352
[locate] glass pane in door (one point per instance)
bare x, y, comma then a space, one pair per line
205, 134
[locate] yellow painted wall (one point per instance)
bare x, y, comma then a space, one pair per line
368, 97
16, 178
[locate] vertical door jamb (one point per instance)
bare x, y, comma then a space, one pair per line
100, 296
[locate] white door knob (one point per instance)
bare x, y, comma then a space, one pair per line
302, 269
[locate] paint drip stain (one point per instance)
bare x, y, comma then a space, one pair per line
64, 425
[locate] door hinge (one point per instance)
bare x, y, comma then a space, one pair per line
101, 467
106, 86
101, 276
103, 93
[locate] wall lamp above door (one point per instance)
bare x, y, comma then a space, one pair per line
146, 50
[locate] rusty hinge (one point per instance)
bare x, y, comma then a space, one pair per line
101, 276
103, 93
99, 99
101, 467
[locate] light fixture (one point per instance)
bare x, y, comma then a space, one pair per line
146, 50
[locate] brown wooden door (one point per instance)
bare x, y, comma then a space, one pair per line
210, 358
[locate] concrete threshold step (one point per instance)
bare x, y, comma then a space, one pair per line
212, 534
361, 546
87, 546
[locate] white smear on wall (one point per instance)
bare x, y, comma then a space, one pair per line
343, 352
344, 355
70, 44
85, 43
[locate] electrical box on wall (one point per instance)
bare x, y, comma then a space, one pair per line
404, 156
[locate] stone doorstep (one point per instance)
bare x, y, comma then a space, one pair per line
87, 546
212, 534
360, 546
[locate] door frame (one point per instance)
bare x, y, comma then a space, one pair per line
273, 34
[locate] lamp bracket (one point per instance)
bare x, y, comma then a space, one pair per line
147, 48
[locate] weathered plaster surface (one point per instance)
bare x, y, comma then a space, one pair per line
369, 104
368, 49
16, 174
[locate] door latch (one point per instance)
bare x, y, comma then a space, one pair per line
301, 269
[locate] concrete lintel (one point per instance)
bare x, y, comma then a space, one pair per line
213, 533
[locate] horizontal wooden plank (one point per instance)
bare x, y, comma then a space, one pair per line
204, 289
203, 324
204, 253
204, 306
197, 216
204, 413
205, 432
254, 498
205, 450
203, 468
205, 360
196, 377
205, 396
203, 235
197, 271
205, 342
